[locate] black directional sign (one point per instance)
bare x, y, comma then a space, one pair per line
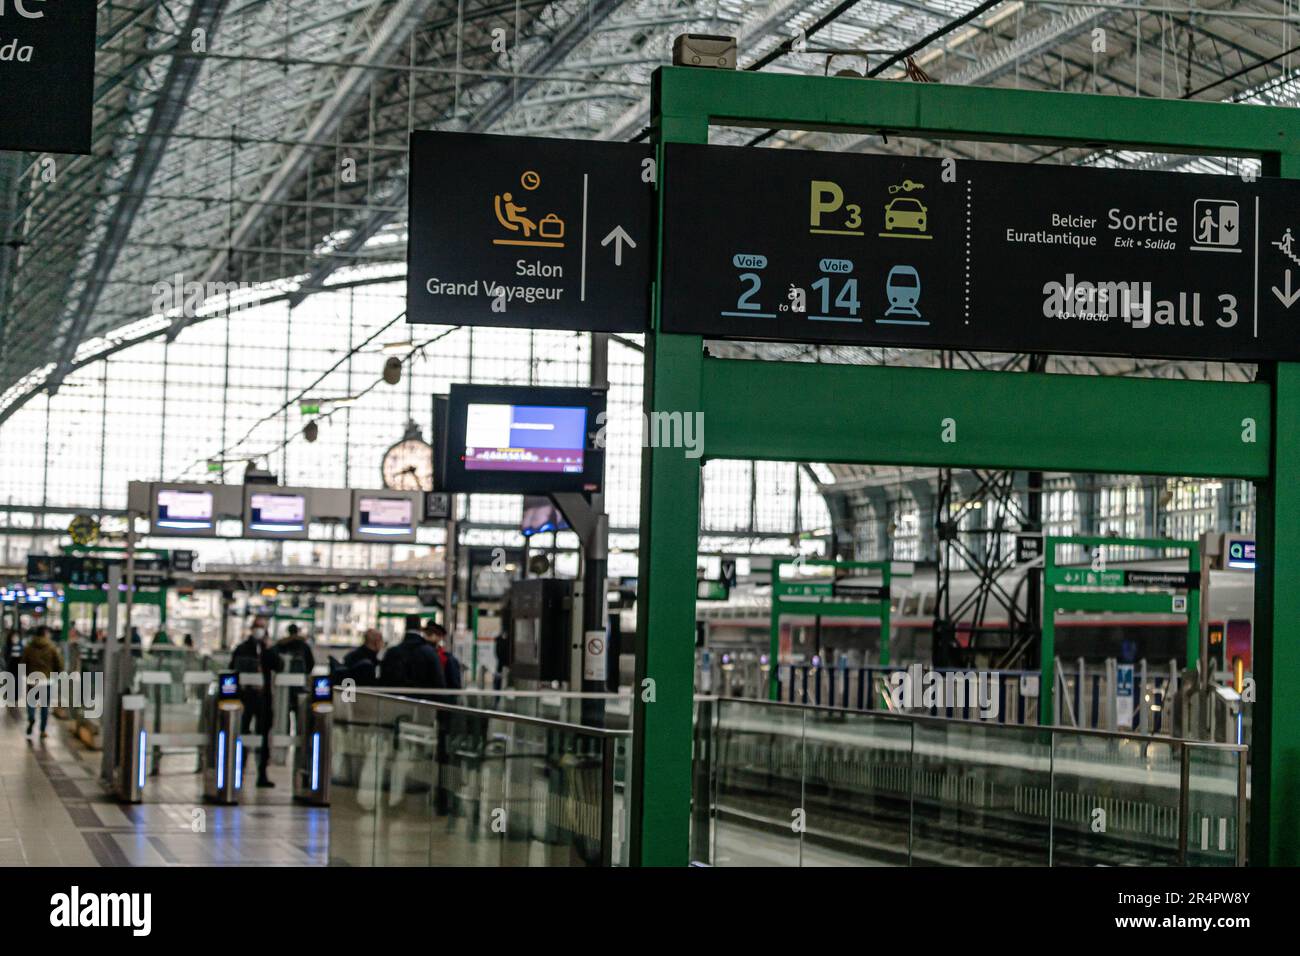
529, 233
47, 75
1183, 580
1029, 547
929, 253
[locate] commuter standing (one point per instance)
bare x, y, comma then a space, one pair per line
414, 662
252, 656
41, 658
293, 647
361, 664
298, 659
436, 635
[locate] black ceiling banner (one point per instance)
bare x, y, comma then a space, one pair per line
520, 232
47, 75
794, 245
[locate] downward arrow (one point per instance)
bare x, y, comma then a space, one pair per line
1287, 298
618, 236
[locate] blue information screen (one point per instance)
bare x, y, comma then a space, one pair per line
534, 438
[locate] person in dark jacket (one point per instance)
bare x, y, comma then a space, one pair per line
361, 664
412, 663
295, 650
41, 658
255, 655
436, 635
298, 659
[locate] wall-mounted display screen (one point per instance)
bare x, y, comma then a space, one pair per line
278, 513
386, 516
183, 510
228, 685
522, 440
545, 438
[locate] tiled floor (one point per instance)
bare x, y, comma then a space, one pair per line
54, 812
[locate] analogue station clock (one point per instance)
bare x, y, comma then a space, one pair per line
408, 465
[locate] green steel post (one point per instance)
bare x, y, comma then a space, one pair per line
884, 612
473, 631
1275, 781
774, 645
664, 691
1193, 610
1047, 646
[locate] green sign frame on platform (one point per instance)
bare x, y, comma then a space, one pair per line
1106, 590
897, 415
786, 600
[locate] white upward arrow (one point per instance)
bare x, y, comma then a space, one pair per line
618, 236
1287, 298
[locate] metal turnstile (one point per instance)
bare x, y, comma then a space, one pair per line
311, 760
132, 748
224, 765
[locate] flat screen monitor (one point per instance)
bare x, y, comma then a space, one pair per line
321, 688
228, 685
523, 440
181, 510
275, 513
385, 516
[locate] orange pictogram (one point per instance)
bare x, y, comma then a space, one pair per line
547, 232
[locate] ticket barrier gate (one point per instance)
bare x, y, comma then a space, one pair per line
311, 760
132, 748
223, 767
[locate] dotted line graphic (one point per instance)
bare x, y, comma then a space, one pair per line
968, 229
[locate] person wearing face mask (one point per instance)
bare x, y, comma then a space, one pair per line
254, 655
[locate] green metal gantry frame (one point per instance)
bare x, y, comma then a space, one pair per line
1022, 421
1105, 590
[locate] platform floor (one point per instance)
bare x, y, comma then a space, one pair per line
54, 812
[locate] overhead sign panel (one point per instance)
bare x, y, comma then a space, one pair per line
47, 74
927, 253
520, 232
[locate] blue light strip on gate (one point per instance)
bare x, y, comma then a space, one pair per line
315, 760
239, 763
221, 759
143, 753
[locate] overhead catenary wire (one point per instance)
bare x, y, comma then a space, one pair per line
270, 416
361, 394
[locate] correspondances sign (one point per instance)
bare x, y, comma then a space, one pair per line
529, 233
47, 75
929, 253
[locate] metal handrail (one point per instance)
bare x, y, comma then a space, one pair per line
972, 722
487, 692
502, 715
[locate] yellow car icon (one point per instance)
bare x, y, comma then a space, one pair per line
905, 213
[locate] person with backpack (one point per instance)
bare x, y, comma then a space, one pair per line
414, 662
298, 659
